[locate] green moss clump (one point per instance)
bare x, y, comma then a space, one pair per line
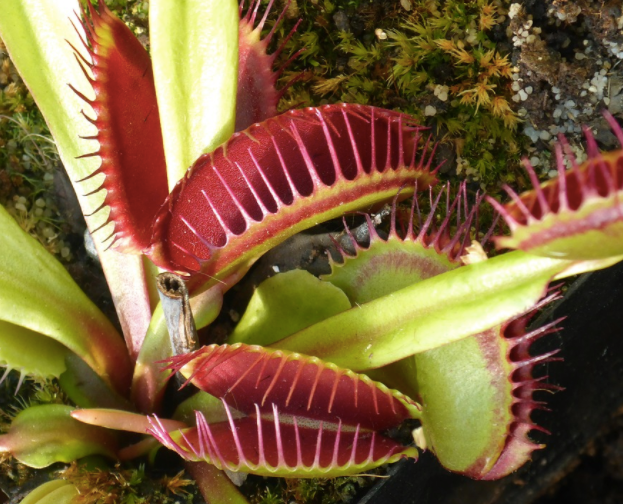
313, 491
120, 485
438, 62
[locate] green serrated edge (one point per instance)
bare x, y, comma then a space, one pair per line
386, 266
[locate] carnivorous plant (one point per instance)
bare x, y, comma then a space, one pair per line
181, 157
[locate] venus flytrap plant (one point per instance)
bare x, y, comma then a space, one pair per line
496, 359
110, 48
278, 411
477, 426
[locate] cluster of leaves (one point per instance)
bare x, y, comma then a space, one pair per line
437, 62
126, 486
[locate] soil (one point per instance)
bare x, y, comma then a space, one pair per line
568, 55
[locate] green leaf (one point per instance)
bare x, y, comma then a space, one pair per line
466, 392
53, 492
30, 353
37, 293
285, 304
42, 435
194, 48
434, 312
210, 407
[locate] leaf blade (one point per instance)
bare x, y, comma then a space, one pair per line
284, 304
37, 293
436, 311
195, 57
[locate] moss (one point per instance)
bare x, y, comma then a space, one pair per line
12, 473
439, 62
28, 162
126, 485
311, 491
